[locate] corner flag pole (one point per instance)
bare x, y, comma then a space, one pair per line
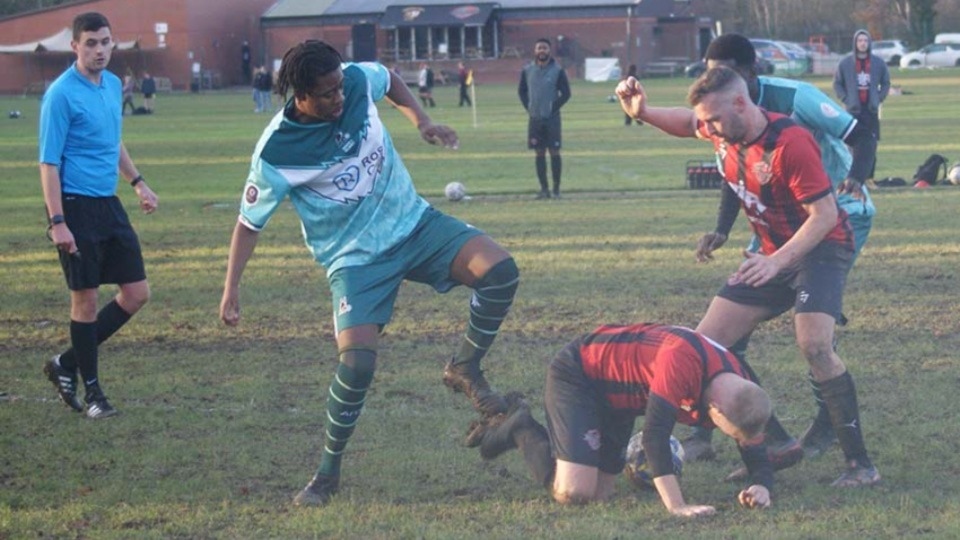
473, 96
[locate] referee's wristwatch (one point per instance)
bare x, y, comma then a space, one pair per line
57, 219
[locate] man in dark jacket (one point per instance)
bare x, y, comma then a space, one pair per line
148, 86
543, 90
862, 82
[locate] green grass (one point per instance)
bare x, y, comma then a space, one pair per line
220, 427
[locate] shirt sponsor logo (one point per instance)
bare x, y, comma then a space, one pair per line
373, 162
348, 179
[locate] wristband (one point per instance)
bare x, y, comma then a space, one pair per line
56, 219
136, 180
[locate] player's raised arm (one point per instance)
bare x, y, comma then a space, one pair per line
676, 121
407, 104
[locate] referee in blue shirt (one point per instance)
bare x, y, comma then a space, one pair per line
80, 153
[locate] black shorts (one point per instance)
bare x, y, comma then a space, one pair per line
815, 287
583, 428
109, 248
544, 133
147, 96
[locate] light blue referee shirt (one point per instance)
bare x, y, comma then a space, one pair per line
345, 179
80, 132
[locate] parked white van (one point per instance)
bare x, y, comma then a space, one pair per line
947, 38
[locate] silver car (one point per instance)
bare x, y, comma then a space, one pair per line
891, 50
933, 55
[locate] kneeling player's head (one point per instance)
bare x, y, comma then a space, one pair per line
739, 408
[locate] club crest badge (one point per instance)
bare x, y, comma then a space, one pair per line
252, 194
763, 172
592, 438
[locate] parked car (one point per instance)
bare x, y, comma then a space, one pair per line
891, 50
696, 69
933, 55
947, 37
815, 48
787, 60
799, 54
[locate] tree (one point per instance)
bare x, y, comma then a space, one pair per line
919, 16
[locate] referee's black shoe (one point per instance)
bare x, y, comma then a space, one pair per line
65, 381
467, 377
97, 405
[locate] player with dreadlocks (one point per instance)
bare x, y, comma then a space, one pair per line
329, 151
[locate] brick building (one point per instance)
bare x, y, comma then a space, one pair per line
495, 37
173, 37
198, 42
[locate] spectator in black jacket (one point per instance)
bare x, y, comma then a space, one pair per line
148, 87
543, 90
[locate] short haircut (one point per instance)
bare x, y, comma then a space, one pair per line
88, 22
732, 47
544, 40
750, 409
303, 63
716, 79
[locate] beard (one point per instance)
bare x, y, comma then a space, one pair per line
543, 57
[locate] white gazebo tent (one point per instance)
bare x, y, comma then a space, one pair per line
59, 42
51, 50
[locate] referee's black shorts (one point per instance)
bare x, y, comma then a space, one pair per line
544, 133
109, 250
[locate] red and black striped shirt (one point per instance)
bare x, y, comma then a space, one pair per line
629, 363
774, 176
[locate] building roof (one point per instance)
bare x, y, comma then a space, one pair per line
298, 8
319, 8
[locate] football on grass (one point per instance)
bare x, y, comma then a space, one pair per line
455, 191
954, 175
638, 470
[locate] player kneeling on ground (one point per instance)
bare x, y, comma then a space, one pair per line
599, 383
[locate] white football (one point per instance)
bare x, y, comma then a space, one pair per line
954, 175
455, 191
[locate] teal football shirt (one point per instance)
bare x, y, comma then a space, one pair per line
351, 190
829, 123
